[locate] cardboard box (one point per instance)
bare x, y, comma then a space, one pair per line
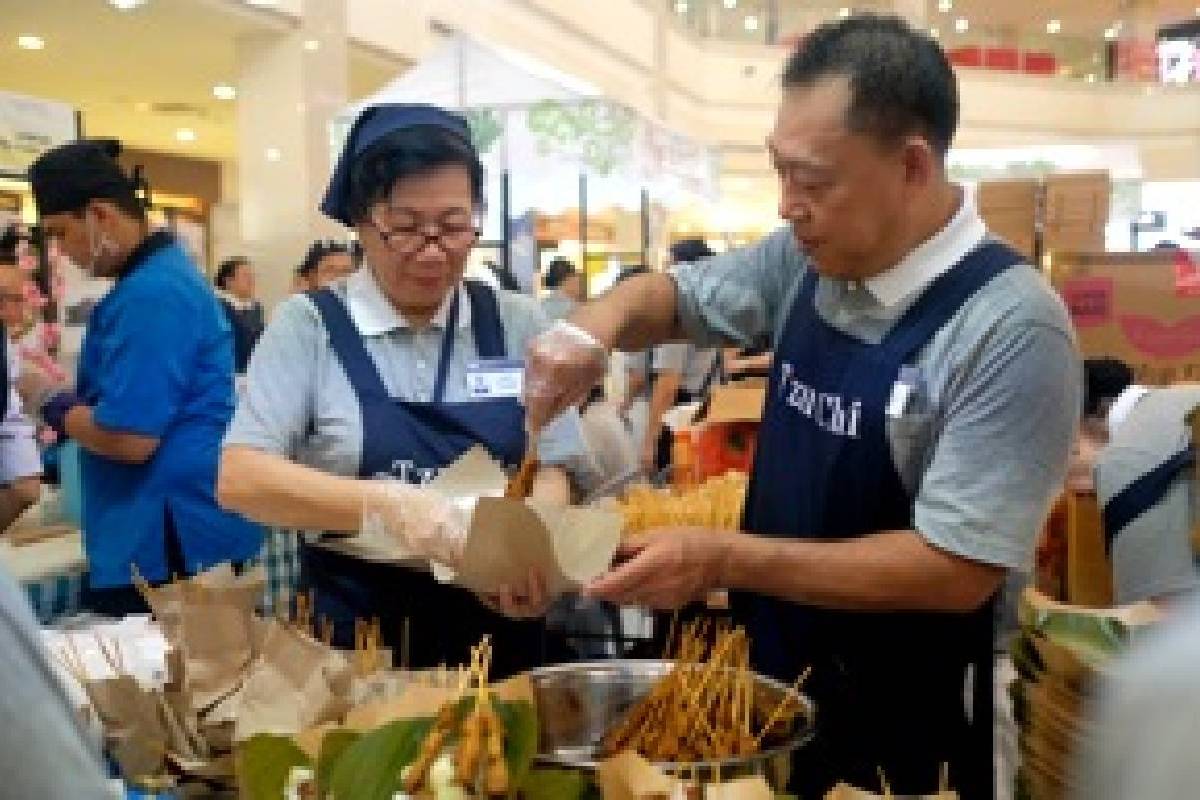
724, 438
1143, 308
1009, 209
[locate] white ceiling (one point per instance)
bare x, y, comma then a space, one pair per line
140, 75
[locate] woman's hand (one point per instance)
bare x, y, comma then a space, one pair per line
524, 599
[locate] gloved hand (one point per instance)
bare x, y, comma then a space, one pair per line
561, 367
420, 521
54, 411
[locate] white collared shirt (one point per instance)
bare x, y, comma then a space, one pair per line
936, 255
374, 315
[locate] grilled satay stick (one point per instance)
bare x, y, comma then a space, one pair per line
521, 483
496, 778
435, 740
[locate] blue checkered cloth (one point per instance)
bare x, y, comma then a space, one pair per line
280, 557
55, 596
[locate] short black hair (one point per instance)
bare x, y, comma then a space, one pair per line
318, 250
68, 177
557, 271
1103, 381
405, 152
901, 82
631, 271
227, 270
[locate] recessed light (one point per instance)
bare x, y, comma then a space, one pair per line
126, 5
1053, 26
273, 154
30, 42
223, 91
312, 45
1110, 34
934, 32
1091, 77
730, 4
843, 12
945, 6
750, 23
962, 25
681, 6
185, 135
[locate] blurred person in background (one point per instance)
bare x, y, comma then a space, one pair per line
235, 284
682, 374
566, 288
326, 262
154, 390
20, 462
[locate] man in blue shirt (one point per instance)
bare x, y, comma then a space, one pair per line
154, 390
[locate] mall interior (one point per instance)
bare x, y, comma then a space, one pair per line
688, 326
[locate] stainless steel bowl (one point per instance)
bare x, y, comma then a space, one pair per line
578, 703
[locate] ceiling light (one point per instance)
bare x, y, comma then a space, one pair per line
843, 12
1053, 26
312, 45
1091, 77
273, 154
260, 3
1110, 34
185, 135
141, 106
962, 25
223, 91
934, 32
731, 4
681, 7
751, 23
30, 42
126, 5
945, 6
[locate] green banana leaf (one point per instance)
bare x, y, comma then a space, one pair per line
333, 747
554, 784
369, 769
264, 763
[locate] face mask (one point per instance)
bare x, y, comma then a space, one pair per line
99, 245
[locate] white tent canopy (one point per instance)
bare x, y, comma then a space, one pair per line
546, 128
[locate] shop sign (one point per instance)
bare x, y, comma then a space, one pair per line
29, 127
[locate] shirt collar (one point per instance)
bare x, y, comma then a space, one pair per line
238, 303
153, 242
932, 257
1118, 412
374, 315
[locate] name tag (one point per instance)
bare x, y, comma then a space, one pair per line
495, 378
907, 384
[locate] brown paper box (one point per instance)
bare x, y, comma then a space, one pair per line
628, 776
755, 788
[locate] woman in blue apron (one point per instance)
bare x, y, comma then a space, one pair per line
154, 390
396, 372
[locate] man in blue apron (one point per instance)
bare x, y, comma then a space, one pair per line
395, 372
922, 402
1146, 485
155, 386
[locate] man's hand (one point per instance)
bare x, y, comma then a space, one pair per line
561, 367
670, 568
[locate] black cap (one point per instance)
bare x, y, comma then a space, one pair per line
67, 177
557, 271
374, 123
685, 251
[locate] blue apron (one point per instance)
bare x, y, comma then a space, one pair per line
444, 621
888, 687
1140, 496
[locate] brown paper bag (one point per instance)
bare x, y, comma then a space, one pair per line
628, 776
295, 683
217, 631
752, 788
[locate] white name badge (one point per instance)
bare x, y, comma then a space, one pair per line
495, 378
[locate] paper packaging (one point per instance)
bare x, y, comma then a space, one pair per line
629, 776
217, 632
1143, 308
509, 538
295, 683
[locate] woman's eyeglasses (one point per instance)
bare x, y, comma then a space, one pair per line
407, 238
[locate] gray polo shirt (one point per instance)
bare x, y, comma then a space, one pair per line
556, 305
298, 402
1152, 557
694, 364
983, 442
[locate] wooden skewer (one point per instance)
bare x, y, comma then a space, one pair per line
521, 483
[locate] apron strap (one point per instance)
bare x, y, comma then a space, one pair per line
946, 295
347, 344
485, 320
1136, 498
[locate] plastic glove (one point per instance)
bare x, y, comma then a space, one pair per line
419, 520
561, 367
54, 411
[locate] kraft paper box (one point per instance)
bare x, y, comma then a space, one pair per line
1143, 308
509, 538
